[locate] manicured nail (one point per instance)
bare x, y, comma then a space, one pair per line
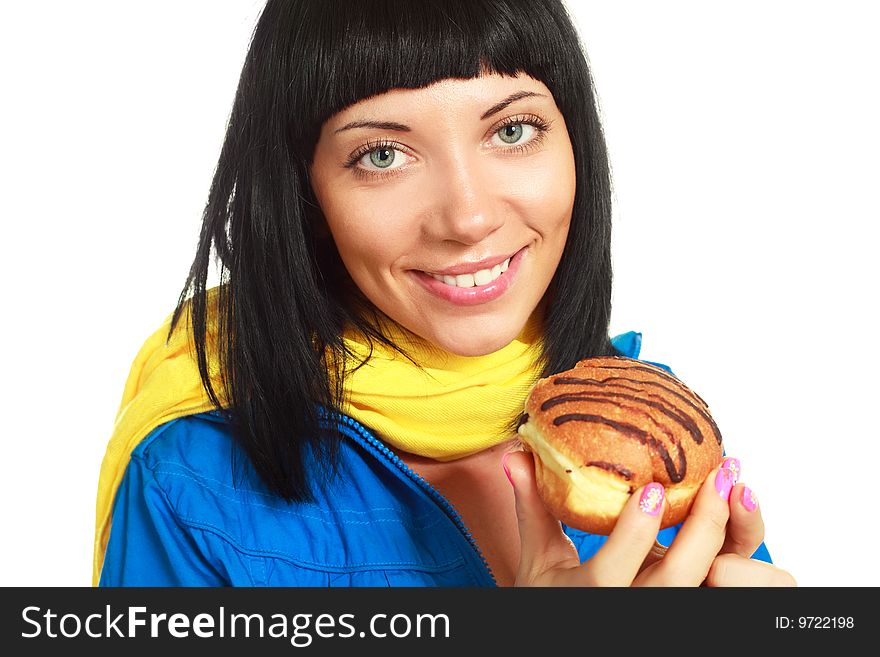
732, 464
651, 500
749, 500
723, 483
506, 469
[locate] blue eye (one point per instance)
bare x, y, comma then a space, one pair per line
377, 157
382, 157
519, 133
511, 133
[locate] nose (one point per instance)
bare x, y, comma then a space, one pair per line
467, 203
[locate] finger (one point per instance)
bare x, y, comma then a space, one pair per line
745, 529
697, 543
632, 540
657, 552
543, 544
736, 570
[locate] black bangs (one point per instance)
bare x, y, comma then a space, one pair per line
343, 51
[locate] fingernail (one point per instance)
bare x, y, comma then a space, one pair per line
732, 464
723, 483
651, 500
506, 469
748, 499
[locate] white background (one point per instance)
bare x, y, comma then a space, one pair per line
744, 144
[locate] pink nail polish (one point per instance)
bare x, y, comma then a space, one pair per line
750, 502
732, 464
723, 483
506, 469
651, 500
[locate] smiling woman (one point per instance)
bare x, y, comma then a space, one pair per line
452, 217
411, 214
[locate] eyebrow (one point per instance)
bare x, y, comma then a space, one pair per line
381, 125
507, 101
400, 127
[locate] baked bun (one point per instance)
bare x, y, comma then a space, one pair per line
610, 425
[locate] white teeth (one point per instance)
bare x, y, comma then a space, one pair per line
464, 280
481, 277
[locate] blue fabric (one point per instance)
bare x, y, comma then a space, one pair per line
191, 511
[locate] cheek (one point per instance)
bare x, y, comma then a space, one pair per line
368, 235
546, 192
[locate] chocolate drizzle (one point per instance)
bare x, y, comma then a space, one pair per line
676, 474
608, 397
653, 369
682, 419
612, 467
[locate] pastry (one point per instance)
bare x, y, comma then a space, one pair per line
610, 425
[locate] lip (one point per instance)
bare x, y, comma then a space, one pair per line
478, 294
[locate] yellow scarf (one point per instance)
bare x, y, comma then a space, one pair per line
455, 407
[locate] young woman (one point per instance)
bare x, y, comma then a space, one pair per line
411, 213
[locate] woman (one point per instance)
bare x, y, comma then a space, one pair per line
412, 216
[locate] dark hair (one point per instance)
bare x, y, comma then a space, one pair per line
284, 294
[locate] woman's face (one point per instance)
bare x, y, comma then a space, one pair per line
453, 179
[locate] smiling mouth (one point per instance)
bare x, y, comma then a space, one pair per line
479, 277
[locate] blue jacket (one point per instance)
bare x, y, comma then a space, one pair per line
191, 511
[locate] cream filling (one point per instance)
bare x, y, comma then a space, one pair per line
593, 490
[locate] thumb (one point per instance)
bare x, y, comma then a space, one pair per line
543, 544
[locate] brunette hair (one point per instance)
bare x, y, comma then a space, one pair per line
284, 295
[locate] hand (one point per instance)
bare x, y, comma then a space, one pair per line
708, 549
745, 533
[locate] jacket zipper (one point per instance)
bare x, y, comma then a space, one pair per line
433, 492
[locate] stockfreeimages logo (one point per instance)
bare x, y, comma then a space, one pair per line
300, 629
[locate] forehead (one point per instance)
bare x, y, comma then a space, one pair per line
469, 95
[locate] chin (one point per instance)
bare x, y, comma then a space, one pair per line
469, 346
